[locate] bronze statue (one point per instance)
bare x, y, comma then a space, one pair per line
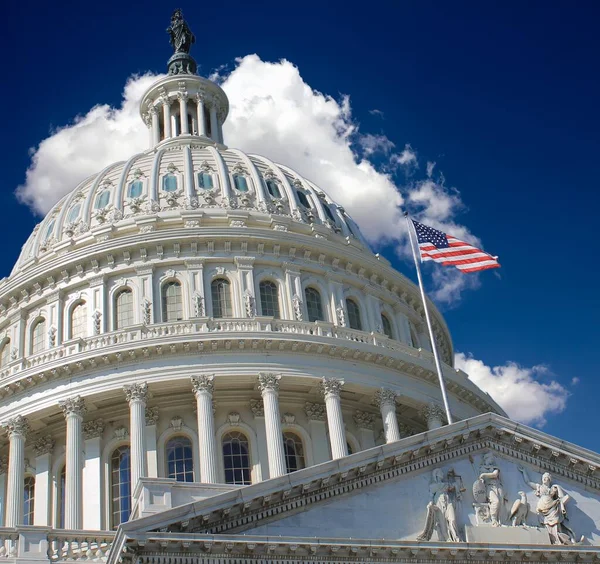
180, 35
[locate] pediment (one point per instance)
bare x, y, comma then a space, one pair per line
383, 493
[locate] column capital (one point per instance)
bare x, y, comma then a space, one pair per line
93, 429
203, 384
257, 407
433, 412
73, 406
268, 381
44, 445
331, 387
151, 416
385, 396
137, 392
17, 426
314, 411
364, 419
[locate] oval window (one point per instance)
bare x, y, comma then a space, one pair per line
303, 199
273, 189
102, 199
241, 183
73, 213
135, 189
328, 212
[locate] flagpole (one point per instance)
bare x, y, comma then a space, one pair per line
438, 364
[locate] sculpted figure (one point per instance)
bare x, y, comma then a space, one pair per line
488, 489
180, 35
441, 511
551, 508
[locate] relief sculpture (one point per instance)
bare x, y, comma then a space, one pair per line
488, 493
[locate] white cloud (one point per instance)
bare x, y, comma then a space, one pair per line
528, 395
273, 112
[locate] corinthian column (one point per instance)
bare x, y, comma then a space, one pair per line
73, 409
17, 429
203, 387
269, 389
434, 415
137, 395
386, 401
332, 388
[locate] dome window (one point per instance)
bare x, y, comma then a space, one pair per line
329, 213
124, 309
5, 354
241, 183
49, 231
273, 189
387, 326
102, 200
120, 481
28, 501
236, 458
269, 299
220, 290
79, 321
303, 199
180, 460
354, 320
169, 183
38, 337
293, 450
172, 302
73, 213
314, 305
205, 181
135, 189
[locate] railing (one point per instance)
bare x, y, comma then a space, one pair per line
9, 544
68, 546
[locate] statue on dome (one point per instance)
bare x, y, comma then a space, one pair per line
180, 35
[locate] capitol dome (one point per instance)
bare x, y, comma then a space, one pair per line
197, 314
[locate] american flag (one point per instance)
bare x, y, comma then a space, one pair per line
450, 251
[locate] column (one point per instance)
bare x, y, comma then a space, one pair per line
365, 422
73, 409
151, 447
386, 401
214, 126
269, 389
203, 387
137, 395
167, 117
183, 116
92, 475
41, 499
258, 410
17, 429
318, 431
332, 388
200, 114
155, 125
3, 470
434, 415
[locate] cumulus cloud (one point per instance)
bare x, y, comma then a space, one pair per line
273, 112
528, 395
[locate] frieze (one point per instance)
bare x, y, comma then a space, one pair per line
315, 411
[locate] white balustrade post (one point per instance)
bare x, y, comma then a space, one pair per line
17, 429
137, 395
386, 401
73, 409
41, 498
269, 389
332, 388
434, 414
200, 114
203, 387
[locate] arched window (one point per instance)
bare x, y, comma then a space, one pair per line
354, 320
273, 189
240, 182
172, 303
62, 481
294, 452
124, 309
38, 337
134, 190
28, 500
79, 321
73, 213
180, 460
169, 183
269, 299
102, 200
387, 326
349, 449
5, 353
120, 485
236, 458
314, 305
414, 340
205, 180
303, 199
49, 231
220, 290
329, 213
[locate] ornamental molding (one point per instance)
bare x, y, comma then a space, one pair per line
176, 423
43, 445
331, 387
268, 382
203, 384
364, 419
385, 396
315, 411
151, 414
93, 429
136, 392
257, 407
234, 418
433, 413
73, 406
16, 427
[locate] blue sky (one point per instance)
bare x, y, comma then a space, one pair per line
502, 96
